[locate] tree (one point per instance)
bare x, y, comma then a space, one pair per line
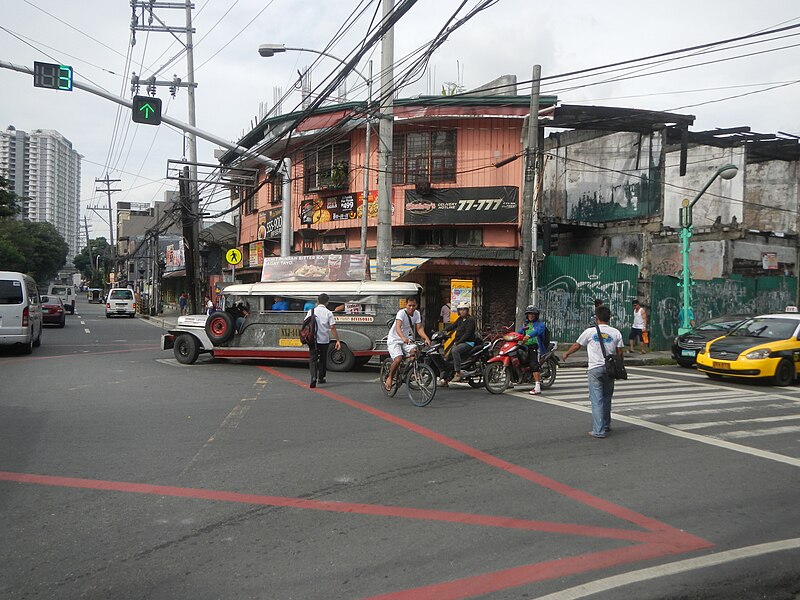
86, 262
34, 248
9, 201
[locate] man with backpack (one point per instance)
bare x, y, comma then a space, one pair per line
535, 343
324, 324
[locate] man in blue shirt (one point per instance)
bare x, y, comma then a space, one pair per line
280, 304
533, 329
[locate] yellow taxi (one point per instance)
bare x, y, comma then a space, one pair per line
767, 346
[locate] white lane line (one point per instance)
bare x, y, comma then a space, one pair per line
716, 411
709, 424
83, 322
87, 330
773, 456
682, 566
632, 406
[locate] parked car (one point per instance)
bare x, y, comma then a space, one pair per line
120, 302
53, 311
66, 293
686, 345
766, 346
20, 311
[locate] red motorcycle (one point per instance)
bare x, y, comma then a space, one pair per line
507, 369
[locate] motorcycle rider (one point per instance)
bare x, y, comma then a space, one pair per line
533, 329
464, 341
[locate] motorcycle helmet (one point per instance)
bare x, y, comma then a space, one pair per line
462, 304
532, 309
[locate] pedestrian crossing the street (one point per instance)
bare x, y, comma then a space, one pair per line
687, 403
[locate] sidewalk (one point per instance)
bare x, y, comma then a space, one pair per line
580, 359
165, 320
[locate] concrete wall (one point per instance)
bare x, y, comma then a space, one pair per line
772, 197
706, 259
591, 177
724, 198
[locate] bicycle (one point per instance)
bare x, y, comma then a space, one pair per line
419, 378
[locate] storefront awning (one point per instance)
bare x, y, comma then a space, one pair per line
400, 266
174, 274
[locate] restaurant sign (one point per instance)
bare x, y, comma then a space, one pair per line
458, 206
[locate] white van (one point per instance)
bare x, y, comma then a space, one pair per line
20, 311
120, 301
66, 293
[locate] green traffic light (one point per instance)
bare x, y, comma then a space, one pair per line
146, 110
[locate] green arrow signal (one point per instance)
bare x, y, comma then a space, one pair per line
146, 110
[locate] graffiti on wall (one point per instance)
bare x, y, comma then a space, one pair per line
570, 285
714, 298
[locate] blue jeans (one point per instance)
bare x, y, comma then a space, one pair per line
601, 389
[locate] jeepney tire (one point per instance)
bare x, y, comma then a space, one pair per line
340, 360
186, 349
219, 328
784, 373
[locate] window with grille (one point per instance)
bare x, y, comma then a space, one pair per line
327, 168
251, 202
424, 155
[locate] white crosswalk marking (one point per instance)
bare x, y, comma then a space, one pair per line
760, 419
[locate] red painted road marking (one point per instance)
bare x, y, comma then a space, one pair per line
537, 478
658, 540
333, 506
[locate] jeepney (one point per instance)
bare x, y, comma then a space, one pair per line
362, 309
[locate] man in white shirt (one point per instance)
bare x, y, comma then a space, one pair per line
601, 385
318, 354
401, 336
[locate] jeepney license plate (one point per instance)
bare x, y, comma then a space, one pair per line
289, 342
688, 352
721, 365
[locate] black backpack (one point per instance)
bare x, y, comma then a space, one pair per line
308, 332
546, 337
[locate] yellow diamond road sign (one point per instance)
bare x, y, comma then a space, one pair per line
233, 256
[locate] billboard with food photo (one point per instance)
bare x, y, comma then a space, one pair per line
322, 267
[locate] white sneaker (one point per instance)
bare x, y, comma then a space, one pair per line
536, 390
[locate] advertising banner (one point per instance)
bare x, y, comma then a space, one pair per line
463, 206
269, 224
338, 208
320, 267
460, 291
256, 254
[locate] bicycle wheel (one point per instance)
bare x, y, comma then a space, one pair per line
421, 384
385, 365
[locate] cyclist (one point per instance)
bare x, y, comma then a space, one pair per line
465, 338
400, 340
533, 329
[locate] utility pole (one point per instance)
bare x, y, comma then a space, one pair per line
108, 191
190, 85
383, 252
367, 148
187, 222
526, 286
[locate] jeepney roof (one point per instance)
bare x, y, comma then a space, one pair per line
314, 288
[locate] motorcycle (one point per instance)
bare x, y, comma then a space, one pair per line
472, 363
506, 368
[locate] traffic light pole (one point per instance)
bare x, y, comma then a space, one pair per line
164, 118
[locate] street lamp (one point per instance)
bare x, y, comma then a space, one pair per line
268, 50
726, 172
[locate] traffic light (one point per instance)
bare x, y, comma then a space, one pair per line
52, 76
146, 110
549, 238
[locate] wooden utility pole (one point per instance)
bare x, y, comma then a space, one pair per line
526, 286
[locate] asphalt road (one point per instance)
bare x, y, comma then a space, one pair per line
126, 475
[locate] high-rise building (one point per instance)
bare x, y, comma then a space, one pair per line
45, 171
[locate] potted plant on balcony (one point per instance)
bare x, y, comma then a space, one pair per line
337, 178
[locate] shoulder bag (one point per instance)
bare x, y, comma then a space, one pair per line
615, 364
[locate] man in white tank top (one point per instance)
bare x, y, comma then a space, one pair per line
638, 327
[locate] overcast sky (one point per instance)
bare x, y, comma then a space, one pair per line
508, 38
